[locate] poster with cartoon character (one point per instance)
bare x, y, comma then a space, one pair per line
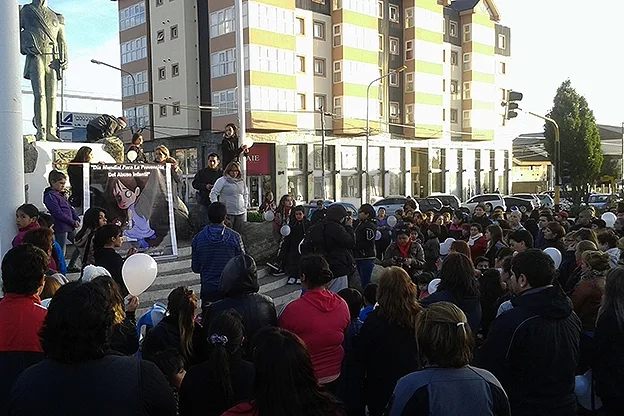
138, 198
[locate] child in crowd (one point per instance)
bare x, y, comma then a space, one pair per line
107, 239
351, 374
65, 218
423, 284
45, 221
290, 247
94, 218
44, 239
482, 263
171, 364
370, 299
282, 218
26, 218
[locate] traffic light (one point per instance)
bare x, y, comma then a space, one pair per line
512, 104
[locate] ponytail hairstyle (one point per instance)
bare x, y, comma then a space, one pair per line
315, 269
443, 336
182, 303
225, 337
105, 234
29, 210
90, 221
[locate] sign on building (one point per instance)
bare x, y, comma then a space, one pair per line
67, 119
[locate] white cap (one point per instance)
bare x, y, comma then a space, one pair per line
91, 272
433, 286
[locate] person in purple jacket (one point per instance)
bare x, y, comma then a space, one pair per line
65, 218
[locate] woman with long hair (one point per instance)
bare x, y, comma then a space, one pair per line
553, 236
94, 218
212, 387
446, 344
319, 317
282, 217
176, 330
230, 189
386, 345
460, 246
608, 345
162, 155
75, 174
494, 237
459, 286
492, 289
285, 381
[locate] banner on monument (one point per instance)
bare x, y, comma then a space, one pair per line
139, 198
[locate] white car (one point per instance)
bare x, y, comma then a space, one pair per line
496, 200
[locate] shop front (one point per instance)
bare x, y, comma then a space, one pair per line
260, 177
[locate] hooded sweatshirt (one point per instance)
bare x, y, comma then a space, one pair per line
62, 212
212, 248
232, 192
320, 318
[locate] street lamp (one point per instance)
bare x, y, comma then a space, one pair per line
95, 61
392, 71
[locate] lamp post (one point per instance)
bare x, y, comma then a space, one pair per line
557, 159
95, 61
392, 71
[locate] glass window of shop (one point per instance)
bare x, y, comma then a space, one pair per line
260, 162
297, 172
376, 171
350, 173
395, 158
329, 192
188, 164
438, 158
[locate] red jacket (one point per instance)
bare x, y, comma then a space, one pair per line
21, 318
320, 318
478, 248
19, 238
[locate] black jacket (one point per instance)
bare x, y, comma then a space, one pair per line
141, 158
113, 262
166, 336
387, 352
318, 215
333, 240
230, 150
608, 356
74, 172
483, 220
471, 306
289, 253
432, 253
392, 257
124, 338
205, 177
533, 351
111, 385
202, 396
102, 127
365, 240
239, 285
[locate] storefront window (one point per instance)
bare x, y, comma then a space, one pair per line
396, 164
437, 170
351, 176
350, 157
329, 187
188, 164
297, 187
330, 158
351, 186
297, 172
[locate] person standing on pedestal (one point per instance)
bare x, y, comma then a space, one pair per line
230, 148
42, 40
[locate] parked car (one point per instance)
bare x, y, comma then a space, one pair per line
429, 204
565, 201
603, 202
447, 200
546, 201
393, 203
536, 201
523, 204
496, 200
311, 208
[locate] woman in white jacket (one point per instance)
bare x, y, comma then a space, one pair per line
230, 189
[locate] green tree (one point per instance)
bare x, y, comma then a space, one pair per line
580, 147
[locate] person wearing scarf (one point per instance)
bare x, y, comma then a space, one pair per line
405, 253
230, 189
477, 242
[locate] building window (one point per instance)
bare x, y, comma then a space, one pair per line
381, 109
409, 82
453, 115
380, 9
444, 114
162, 73
127, 85
337, 38
503, 93
223, 63
300, 26
337, 107
467, 34
174, 32
394, 110
320, 102
142, 115
466, 91
381, 42
409, 50
394, 46
466, 114
163, 111
175, 70
409, 17
301, 64
318, 1
454, 86
175, 108
409, 113
502, 42
301, 101
467, 62
319, 30
443, 55
503, 68
444, 26
319, 67
393, 79
132, 16
221, 22
225, 101
337, 72
393, 13
337, 4
454, 58
453, 29
160, 36
159, 3
443, 85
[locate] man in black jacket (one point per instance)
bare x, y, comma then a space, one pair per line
320, 212
205, 179
104, 126
364, 249
533, 348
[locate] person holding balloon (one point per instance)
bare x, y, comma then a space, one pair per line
107, 239
364, 249
293, 234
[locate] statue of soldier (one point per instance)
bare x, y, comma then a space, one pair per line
42, 40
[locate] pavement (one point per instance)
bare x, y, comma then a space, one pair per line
177, 272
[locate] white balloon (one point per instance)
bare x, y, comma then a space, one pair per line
285, 231
554, 254
433, 286
248, 142
392, 221
132, 155
609, 218
269, 216
378, 235
139, 272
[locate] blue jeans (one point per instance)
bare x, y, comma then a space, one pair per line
365, 270
61, 238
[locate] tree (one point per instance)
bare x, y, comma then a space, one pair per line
580, 146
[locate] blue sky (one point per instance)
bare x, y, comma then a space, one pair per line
552, 40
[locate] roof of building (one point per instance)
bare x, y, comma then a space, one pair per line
530, 148
462, 5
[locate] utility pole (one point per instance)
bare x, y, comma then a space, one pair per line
557, 159
240, 90
322, 111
